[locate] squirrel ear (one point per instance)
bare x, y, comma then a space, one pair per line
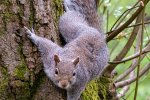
76, 61
56, 58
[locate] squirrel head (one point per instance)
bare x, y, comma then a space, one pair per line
65, 72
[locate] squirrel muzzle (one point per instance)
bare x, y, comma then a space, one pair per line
64, 84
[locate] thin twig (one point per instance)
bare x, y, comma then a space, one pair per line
128, 58
133, 65
131, 80
125, 50
129, 21
122, 93
124, 89
148, 22
138, 24
123, 18
139, 60
127, 12
107, 20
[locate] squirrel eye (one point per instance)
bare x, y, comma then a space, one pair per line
74, 73
56, 71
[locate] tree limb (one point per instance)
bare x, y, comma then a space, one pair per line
133, 66
124, 89
125, 13
131, 80
129, 58
139, 60
116, 32
138, 24
122, 93
125, 50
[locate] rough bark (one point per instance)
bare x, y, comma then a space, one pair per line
21, 73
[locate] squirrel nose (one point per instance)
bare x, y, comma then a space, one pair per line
64, 83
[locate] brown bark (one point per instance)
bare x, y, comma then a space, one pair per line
21, 73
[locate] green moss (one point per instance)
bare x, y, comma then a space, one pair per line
22, 90
20, 13
57, 5
6, 2
20, 70
6, 17
59, 8
21, 84
18, 83
38, 81
91, 91
97, 89
1, 32
32, 14
56, 13
104, 84
3, 80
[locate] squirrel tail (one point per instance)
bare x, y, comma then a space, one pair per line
88, 8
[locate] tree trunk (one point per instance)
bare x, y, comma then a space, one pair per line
21, 70
21, 74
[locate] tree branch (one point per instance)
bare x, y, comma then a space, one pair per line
126, 12
139, 60
138, 24
116, 32
148, 22
126, 48
129, 58
124, 89
122, 93
131, 80
133, 66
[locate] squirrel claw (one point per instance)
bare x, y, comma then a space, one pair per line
29, 33
33, 31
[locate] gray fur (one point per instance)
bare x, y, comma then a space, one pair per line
85, 44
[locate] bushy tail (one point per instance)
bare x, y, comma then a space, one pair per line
88, 8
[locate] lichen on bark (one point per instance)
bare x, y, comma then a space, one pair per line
3, 81
97, 89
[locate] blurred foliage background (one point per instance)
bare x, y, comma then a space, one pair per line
112, 9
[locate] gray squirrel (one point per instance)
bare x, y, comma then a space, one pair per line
83, 57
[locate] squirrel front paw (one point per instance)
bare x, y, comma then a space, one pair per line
31, 34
